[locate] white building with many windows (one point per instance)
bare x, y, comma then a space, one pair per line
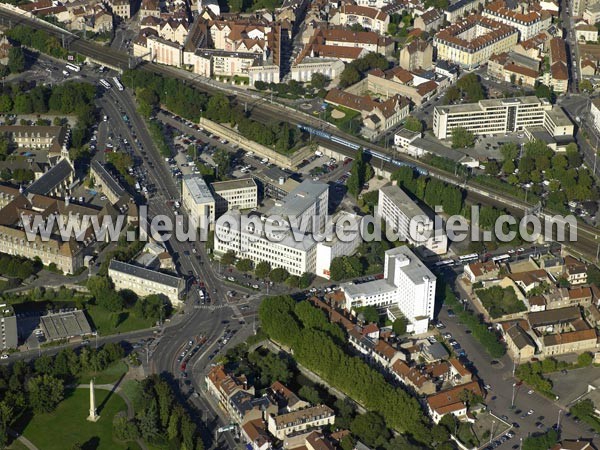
241, 193
399, 211
496, 116
408, 286
198, 200
595, 113
294, 248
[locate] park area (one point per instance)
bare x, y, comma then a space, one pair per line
68, 425
500, 301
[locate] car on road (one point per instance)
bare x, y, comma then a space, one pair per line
447, 336
530, 391
487, 387
451, 313
440, 325
4, 356
530, 412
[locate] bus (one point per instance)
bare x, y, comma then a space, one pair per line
501, 258
469, 257
73, 67
117, 83
446, 262
105, 84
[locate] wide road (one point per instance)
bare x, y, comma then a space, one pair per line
198, 320
265, 111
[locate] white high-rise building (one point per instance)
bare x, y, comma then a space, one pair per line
407, 289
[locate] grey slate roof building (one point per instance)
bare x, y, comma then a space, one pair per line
55, 182
145, 281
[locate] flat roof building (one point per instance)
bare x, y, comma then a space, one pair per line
498, 116
407, 284
398, 211
241, 194
9, 337
198, 200
146, 282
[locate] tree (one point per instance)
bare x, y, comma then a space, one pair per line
413, 124
586, 85
45, 393
318, 80
370, 428
349, 76
222, 159
310, 394
218, 108
492, 167
585, 359
541, 441
262, 269
16, 60
399, 326
6, 103
462, 138
369, 313
244, 265
278, 275
306, 280
228, 258
543, 91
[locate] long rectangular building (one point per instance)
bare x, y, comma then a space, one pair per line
498, 116
241, 194
198, 200
399, 210
146, 282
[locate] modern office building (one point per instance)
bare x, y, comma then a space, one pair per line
146, 282
307, 203
408, 288
473, 40
198, 200
294, 249
398, 210
498, 116
241, 194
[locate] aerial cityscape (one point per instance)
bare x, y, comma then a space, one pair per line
299, 224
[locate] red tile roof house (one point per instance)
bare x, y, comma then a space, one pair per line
449, 401
377, 116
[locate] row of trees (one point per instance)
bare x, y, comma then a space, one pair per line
18, 267
279, 135
154, 90
430, 190
479, 330
160, 419
316, 344
37, 39
39, 386
263, 270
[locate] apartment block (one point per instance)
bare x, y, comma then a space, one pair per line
146, 282
52, 138
416, 55
408, 286
474, 40
241, 194
370, 18
527, 18
595, 113
283, 425
121, 8
498, 116
198, 200
398, 210
106, 183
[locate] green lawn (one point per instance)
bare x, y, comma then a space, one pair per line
67, 425
16, 445
111, 323
108, 376
133, 391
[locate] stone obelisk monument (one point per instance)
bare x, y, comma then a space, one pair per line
93, 417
